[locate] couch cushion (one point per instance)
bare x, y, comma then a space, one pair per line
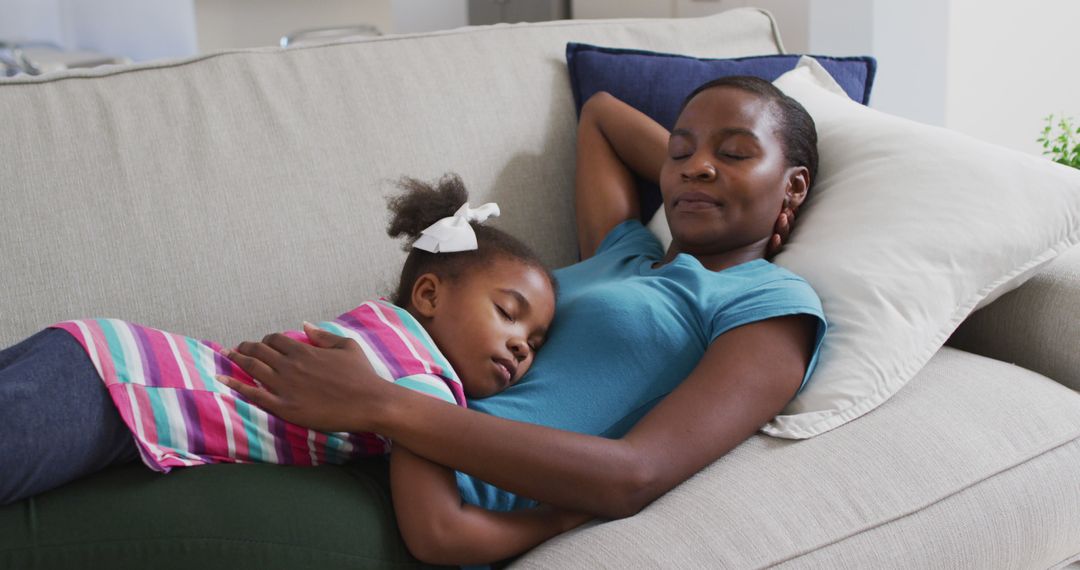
239, 193
974, 458
1035, 326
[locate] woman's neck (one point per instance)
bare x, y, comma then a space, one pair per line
721, 260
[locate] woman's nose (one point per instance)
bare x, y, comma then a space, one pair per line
698, 169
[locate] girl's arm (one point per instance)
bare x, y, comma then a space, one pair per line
439, 529
614, 141
746, 377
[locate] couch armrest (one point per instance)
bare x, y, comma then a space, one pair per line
1036, 326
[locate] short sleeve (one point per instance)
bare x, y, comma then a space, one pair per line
630, 237
432, 385
777, 298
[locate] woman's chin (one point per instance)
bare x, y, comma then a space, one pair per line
697, 239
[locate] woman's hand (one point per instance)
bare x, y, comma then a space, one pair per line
326, 386
781, 232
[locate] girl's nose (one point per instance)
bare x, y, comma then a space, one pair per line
519, 348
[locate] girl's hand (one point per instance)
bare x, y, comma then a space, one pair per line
326, 386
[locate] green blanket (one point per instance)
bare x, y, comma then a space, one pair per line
216, 516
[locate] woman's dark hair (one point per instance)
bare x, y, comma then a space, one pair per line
795, 127
421, 204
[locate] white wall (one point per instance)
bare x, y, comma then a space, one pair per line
988, 68
907, 39
429, 15
223, 24
840, 27
226, 24
1010, 65
910, 44
137, 29
596, 9
37, 20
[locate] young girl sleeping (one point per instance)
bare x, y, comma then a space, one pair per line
471, 310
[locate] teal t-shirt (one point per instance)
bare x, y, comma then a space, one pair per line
626, 334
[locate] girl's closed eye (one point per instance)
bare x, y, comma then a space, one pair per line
505, 314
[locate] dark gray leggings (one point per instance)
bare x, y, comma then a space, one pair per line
57, 421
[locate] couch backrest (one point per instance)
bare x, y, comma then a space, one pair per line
229, 195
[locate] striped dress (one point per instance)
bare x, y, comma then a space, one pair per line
163, 385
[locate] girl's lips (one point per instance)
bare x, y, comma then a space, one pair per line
505, 369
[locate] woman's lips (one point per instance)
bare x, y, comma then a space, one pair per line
695, 201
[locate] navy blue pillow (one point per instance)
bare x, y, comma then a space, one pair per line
657, 83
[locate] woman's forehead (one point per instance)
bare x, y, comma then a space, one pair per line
721, 108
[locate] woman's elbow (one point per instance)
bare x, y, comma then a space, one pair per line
595, 103
633, 491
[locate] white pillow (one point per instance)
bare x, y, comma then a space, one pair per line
907, 230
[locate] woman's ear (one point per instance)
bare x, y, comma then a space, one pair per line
425, 294
798, 184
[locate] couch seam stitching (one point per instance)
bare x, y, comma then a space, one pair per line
926, 506
1075, 557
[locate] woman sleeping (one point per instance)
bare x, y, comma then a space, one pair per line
657, 363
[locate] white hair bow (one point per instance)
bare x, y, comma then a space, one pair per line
453, 233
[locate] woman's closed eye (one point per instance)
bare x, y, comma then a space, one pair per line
736, 148
680, 153
680, 149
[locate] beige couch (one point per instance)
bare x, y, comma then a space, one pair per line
233, 194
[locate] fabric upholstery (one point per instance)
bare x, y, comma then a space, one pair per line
971, 465
1036, 326
217, 197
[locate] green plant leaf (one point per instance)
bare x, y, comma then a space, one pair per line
1060, 144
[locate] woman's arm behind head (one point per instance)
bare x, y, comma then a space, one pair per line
614, 142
